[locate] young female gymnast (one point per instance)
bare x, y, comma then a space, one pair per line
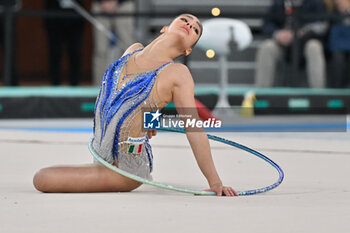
144, 77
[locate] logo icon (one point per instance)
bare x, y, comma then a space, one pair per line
151, 120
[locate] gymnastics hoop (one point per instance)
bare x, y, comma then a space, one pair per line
197, 192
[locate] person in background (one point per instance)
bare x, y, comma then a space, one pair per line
310, 34
63, 32
15, 5
339, 45
106, 51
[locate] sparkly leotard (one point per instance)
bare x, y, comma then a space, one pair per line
118, 134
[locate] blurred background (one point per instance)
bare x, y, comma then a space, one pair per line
298, 56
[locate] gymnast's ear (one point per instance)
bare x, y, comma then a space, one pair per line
188, 51
163, 29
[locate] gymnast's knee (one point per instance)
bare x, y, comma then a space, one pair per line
130, 186
117, 182
40, 180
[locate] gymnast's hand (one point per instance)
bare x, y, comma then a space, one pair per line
151, 133
222, 190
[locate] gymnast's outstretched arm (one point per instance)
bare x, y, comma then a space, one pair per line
183, 97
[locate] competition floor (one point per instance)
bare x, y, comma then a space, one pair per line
314, 197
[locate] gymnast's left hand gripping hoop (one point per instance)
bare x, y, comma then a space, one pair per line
197, 192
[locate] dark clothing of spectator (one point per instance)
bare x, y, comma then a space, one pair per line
308, 28
339, 46
14, 73
278, 17
64, 32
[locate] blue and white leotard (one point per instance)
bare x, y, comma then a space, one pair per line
118, 135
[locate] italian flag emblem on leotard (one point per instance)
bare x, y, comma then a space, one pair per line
135, 149
136, 144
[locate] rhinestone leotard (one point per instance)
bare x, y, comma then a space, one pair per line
118, 116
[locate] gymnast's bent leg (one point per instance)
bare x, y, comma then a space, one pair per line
82, 179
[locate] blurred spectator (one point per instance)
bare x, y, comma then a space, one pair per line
280, 29
339, 45
15, 5
63, 32
329, 5
106, 51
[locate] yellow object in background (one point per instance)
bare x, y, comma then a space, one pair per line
247, 107
210, 53
215, 11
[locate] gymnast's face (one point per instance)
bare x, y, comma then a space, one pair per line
188, 28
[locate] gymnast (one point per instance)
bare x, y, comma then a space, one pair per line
144, 77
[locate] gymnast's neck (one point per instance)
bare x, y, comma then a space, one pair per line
164, 48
